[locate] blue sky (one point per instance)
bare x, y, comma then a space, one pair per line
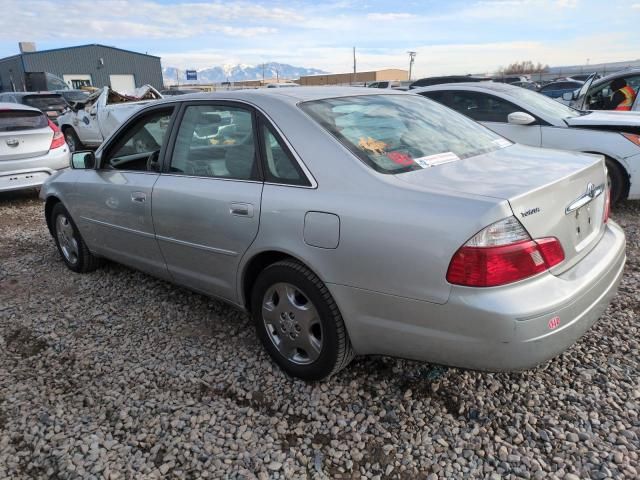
450, 37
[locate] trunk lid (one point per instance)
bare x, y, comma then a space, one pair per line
552, 193
23, 134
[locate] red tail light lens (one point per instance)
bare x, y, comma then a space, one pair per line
493, 265
58, 138
607, 205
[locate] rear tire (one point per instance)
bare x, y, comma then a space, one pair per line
616, 181
298, 322
73, 142
70, 244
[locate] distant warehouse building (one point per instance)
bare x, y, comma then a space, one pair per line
85, 65
359, 77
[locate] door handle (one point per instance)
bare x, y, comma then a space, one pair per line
138, 197
241, 209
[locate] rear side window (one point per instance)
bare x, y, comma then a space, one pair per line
399, 133
14, 120
44, 102
281, 166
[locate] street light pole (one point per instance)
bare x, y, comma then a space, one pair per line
412, 57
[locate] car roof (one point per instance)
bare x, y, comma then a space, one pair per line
287, 95
490, 86
16, 106
618, 74
24, 94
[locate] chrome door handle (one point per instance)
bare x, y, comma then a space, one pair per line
241, 209
139, 197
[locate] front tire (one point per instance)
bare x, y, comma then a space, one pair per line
70, 244
299, 323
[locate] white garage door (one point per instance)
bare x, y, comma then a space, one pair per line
122, 83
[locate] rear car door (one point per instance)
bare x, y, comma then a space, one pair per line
206, 203
492, 111
112, 204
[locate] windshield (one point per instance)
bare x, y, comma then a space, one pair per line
75, 95
400, 133
44, 102
544, 104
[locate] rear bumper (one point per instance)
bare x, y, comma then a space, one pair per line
32, 172
501, 328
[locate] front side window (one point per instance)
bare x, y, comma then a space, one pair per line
138, 146
215, 141
400, 133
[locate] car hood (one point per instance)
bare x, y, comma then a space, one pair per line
605, 119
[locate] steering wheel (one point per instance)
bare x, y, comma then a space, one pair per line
152, 161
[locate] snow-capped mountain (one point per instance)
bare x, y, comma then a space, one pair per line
236, 73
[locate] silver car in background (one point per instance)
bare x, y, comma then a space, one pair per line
351, 221
32, 148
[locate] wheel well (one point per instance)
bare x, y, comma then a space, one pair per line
256, 265
620, 167
48, 208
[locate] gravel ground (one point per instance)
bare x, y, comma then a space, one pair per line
118, 375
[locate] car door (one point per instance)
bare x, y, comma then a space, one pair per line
86, 122
492, 111
112, 204
206, 203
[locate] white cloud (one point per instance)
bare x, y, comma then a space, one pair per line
113, 19
389, 17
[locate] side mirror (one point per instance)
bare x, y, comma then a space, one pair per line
567, 96
520, 118
85, 160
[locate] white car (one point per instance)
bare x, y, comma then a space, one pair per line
530, 118
32, 147
93, 119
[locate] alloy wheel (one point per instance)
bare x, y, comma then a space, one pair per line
66, 239
292, 323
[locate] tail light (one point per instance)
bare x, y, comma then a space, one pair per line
607, 205
503, 253
632, 137
58, 138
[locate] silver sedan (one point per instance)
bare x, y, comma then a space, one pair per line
351, 221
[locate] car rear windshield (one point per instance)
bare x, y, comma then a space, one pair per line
14, 120
399, 133
44, 102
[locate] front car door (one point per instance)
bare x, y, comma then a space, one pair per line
492, 111
112, 204
206, 203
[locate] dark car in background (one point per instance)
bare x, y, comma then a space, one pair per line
73, 96
557, 89
428, 81
52, 104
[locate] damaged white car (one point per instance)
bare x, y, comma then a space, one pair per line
88, 123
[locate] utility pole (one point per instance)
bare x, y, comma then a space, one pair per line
354, 65
412, 58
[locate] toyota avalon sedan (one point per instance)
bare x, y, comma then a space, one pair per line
32, 147
351, 222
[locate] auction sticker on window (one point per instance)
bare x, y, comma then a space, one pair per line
502, 142
437, 159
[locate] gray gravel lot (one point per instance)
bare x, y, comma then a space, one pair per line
118, 375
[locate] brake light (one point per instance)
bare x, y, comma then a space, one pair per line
607, 205
58, 138
503, 253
